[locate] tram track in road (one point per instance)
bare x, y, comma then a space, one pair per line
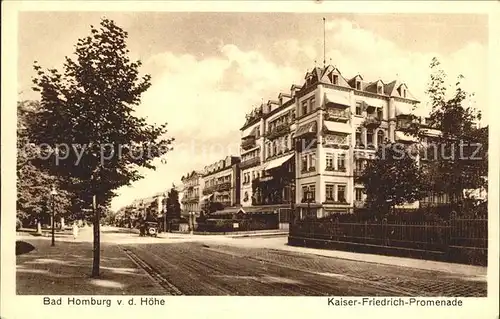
201, 271
153, 274
381, 287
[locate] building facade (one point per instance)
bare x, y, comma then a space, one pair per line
191, 191
221, 183
340, 123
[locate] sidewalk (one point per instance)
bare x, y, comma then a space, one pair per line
281, 243
65, 270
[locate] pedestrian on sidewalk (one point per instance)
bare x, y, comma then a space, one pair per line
75, 230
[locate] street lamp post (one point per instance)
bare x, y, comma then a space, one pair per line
53, 194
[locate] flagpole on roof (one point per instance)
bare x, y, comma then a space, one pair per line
324, 42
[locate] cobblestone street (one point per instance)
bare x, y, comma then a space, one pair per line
217, 265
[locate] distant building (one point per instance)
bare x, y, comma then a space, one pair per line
191, 191
221, 183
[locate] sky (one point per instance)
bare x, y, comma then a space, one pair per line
209, 69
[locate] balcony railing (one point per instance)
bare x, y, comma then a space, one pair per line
372, 121
223, 187
279, 130
333, 169
337, 115
357, 172
336, 140
250, 162
308, 170
248, 143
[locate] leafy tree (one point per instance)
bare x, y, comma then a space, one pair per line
96, 142
173, 206
392, 178
462, 148
34, 185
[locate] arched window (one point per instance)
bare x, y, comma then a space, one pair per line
380, 137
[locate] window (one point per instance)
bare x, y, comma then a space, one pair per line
329, 192
335, 79
312, 162
358, 85
369, 137
359, 110
305, 189
312, 192
380, 114
293, 115
304, 108
358, 194
268, 153
359, 165
275, 148
341, 162
341, 193
313, 103
380, 138
304, 163
257, 132
358, 138
379, 89
329, 161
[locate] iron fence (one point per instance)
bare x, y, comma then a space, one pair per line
434, 236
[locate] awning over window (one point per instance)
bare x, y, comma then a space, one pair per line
432, 132
207, 197
402, 136
228, 210
335, 127
332, 98
278, 162
252, 133
306, 129
403, 109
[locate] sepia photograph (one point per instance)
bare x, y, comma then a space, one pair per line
239, 153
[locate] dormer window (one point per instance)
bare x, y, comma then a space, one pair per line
335, 79
358, 85
379, 89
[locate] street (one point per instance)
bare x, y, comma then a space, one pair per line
217, 265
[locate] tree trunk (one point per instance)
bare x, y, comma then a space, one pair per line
97, 248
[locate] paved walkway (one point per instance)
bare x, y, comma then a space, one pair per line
65, 270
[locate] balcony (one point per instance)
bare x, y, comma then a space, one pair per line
279, 130
248, 143
372, 122
250, 163
358, 172
223, 187
336, 141
337, 115
309, 170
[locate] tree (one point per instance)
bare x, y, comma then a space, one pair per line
93, 139
462, 148
173, 209
392, 178
33, 184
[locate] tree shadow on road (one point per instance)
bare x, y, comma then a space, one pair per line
65, 270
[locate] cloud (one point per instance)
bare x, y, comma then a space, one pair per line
204, 103
362, 51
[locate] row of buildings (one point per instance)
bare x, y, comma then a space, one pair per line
302, 151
